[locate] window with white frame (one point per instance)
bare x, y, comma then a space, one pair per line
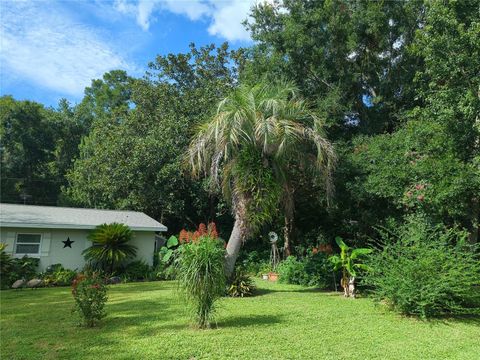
28, 244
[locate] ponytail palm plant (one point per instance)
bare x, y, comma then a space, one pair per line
248, 148
110, 246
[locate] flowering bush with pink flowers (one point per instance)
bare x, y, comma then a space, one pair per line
90, 295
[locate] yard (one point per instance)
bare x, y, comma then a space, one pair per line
148, 321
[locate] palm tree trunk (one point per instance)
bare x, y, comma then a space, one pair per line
233, 247
287, 232
237, 237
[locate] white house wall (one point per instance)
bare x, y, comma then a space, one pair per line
52, 249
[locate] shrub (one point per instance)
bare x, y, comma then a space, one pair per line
426, 270
292, 271
165, 271
6, 263
90, 295
13, 269
201, 276
313, 270
264, 267
255, 262
137, 270
319, 270
56, 274
110, 246
241, 284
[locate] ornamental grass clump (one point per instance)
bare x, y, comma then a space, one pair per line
201, 277
90, 295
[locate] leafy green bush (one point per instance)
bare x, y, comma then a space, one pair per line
241, 284
165, 271
255, 262
90, 295
137, 270
319, 271
292, 271
201, 276
312, 270
13, 269
6, 263
426, 270
57, 275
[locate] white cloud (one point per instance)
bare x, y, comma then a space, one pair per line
143, 10
228, 17
45, 45
225, 17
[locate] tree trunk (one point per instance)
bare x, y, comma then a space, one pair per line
288, 205
287, 231
238, 235
233, 246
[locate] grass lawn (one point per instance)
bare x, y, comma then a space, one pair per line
148, 321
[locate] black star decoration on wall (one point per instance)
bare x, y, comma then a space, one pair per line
68, 243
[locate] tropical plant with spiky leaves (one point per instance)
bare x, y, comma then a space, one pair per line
248, 149
110, 246
349, 261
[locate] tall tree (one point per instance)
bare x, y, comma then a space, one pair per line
352, 60
256, 134
349, 56
431, 163
28, 143
134, 158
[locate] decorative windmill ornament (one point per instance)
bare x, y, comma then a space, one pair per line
274, 254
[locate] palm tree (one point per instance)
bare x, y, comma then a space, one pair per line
269, 122
110, 246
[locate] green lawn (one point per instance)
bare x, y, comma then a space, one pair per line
148, 321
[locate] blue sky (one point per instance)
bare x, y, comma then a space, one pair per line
52, 49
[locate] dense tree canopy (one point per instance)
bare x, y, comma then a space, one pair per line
133, 155
395, 84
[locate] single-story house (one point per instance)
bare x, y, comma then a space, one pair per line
58, 235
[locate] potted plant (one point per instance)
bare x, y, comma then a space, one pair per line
272, 276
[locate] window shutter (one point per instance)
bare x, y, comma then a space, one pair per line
10, 241
45, 245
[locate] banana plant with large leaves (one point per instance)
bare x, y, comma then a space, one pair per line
349, 260
166, 251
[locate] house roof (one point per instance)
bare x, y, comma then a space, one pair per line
51, 217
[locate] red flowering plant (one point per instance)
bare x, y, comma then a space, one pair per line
90, 295
203, 230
